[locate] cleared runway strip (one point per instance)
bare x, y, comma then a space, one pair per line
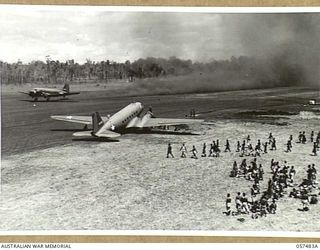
27, 126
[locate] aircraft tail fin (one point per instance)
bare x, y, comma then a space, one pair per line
97, 122
66, 88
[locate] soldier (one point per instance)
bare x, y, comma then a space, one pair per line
263, 207
259, 144
228, 205
272, 163
194, 152
257, 151
300, 137
312, 135
269, 191
183, 150
255, 210
261, 172
314, 174
248, 138
303, 137
273, 144
292, 173
243, 166
273, 207
235, 170
238, 146
254, 190
244, 201
305, 202
291, 138
314, 150
204, 154
216, 149
254, 163
169, 151
238, 203
243, 147
289, 145
265, 147
217, 144
211, 149
270, 137
250, 149
227, 146
309, 173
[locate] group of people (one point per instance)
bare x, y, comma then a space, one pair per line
302, 138
282, 174
214, 150
282, 178
257, 207
266, 204
306, 190
246, 148
184, 151
251, 171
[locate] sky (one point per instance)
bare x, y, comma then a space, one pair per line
29, 35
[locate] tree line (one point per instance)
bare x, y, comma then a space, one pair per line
53, 71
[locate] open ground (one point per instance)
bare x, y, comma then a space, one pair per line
50, 181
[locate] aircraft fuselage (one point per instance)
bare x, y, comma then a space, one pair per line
123, 118
40, 92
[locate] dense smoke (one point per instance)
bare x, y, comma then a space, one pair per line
288, 43
282, 50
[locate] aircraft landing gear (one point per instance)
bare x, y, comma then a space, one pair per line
35, 99
48, 99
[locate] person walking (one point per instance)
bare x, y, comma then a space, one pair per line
169, 151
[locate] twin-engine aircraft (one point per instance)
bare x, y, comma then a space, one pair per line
47, 93
126, 118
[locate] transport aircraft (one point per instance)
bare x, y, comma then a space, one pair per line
127, 118
47, 93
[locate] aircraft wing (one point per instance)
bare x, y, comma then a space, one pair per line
43, 93
72, 93
26, 93
156, 122
59, 94
76, 119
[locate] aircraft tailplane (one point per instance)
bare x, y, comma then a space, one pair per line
105, 134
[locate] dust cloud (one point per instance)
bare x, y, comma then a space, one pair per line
270, 50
